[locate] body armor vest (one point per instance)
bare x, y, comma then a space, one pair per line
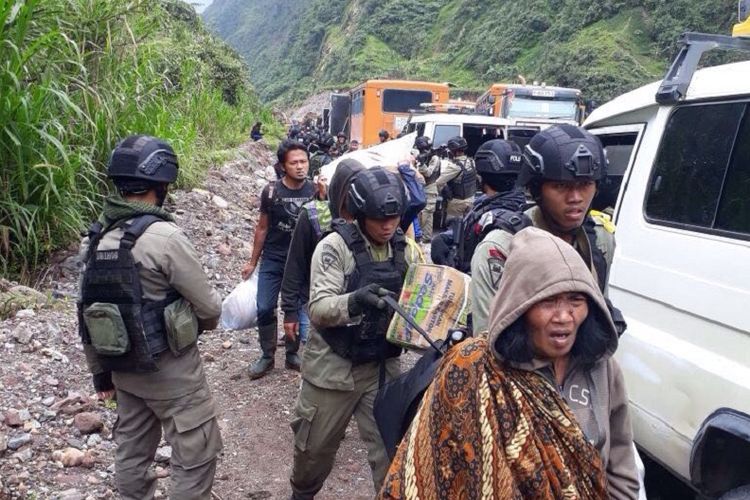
366, 342
111, 278
464, 185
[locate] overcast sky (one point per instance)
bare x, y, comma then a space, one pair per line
200, 5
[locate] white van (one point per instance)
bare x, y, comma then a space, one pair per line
681, 271
475, 128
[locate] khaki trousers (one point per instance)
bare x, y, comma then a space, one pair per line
427, 217
191, 429
457, 208
321, 418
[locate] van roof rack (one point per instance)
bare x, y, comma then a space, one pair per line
675, 85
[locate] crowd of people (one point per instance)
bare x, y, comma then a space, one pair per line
532, 403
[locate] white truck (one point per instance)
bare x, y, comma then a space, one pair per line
681, 271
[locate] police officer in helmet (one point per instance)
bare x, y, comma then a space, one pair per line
498, 163
144, 298
563, 166
458, 178
347, 355
428, 164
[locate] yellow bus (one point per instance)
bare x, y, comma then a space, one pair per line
385, 104
533, 103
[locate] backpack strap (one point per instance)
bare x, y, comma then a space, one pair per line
597, 256
355, 242
398, 244
135, 230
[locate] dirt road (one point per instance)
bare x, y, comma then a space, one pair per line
45, 387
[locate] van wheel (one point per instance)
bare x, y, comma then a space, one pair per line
741, 493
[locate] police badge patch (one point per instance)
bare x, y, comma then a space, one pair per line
327, 259
496, 267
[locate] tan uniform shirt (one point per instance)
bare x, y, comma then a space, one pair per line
489, 257
168, 261
427, 170
332, 266
449, 170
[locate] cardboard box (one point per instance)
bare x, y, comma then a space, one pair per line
437, 298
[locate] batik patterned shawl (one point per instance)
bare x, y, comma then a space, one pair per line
489, 431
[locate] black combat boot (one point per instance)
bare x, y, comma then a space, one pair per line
267, 334
293, 361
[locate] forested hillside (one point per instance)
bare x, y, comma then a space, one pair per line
76, 76
601, 46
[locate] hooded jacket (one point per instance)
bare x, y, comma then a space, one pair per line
540, 266
295, 286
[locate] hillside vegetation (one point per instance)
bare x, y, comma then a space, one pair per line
604, 47
76, 76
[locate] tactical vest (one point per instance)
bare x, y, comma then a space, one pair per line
464, 185
597, 256
366, 342
111, 281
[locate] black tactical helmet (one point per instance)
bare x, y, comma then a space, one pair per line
326, 140
422, 143
457, 143
376, 193
142, 158
563, 153
383, 134
499, 157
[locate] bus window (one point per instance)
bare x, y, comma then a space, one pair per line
358, 102
401, 101
445, 132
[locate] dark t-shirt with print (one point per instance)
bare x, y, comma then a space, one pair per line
282, 206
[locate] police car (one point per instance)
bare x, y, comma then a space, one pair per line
681, 272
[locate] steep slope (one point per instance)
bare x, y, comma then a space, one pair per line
602, 46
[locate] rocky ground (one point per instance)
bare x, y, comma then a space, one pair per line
55, 437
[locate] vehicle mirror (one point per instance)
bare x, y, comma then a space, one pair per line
493, 99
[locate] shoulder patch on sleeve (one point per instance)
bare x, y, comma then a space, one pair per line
327, 259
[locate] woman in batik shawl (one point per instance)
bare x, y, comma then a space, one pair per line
539, 410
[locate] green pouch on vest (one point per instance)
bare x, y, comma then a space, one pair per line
182, 326
107, 330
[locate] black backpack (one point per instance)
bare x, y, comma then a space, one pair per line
455, 247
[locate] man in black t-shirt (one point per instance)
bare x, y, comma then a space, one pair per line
279, 206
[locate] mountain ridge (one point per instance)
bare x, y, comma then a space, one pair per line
604, 47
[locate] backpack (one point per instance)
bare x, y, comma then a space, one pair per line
456, 246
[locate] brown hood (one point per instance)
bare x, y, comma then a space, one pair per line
539, 266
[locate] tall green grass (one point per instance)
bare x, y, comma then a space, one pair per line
76, 76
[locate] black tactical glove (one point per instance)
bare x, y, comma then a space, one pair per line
103, 382
367, 296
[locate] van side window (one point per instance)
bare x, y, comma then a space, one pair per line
619, 149
734, 208
701, 171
